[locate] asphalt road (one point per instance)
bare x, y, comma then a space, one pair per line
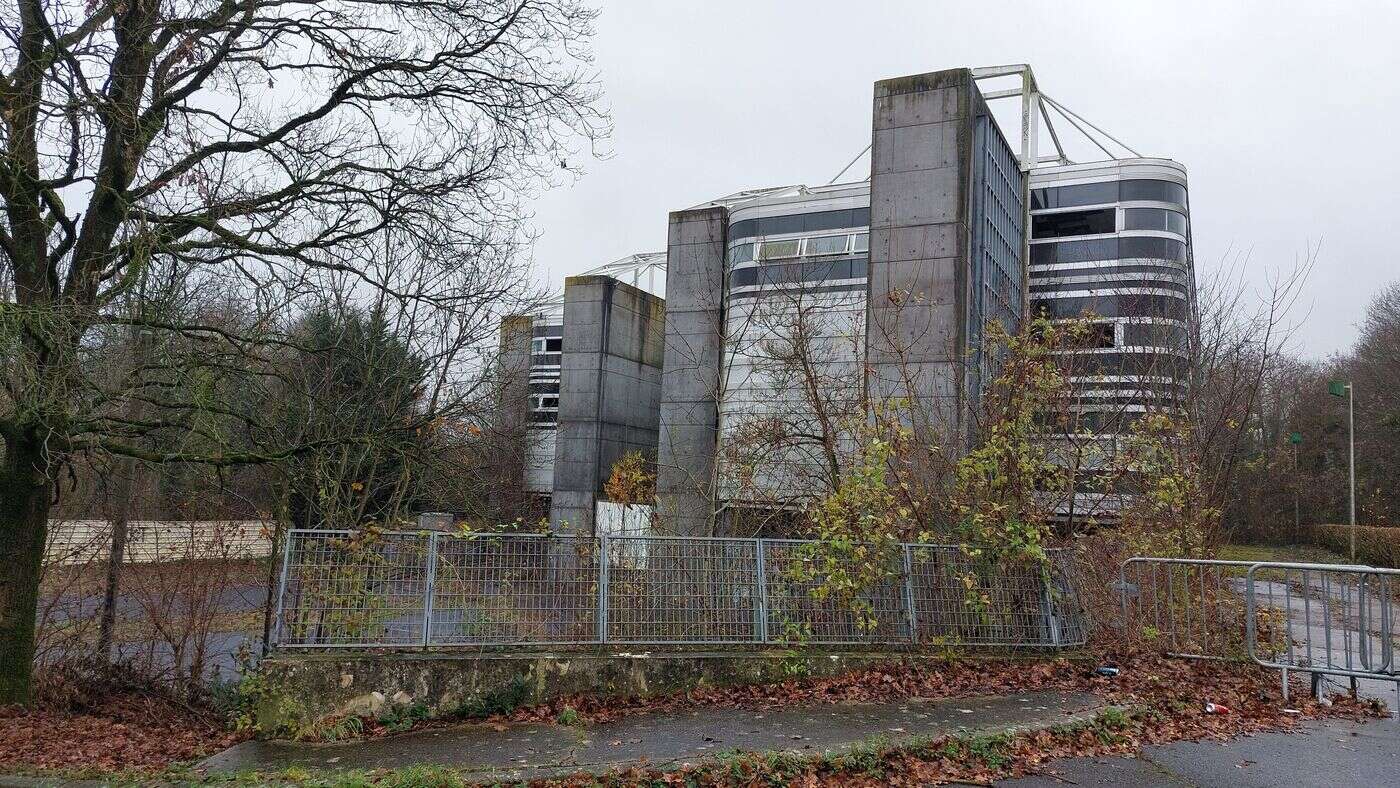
1330, 754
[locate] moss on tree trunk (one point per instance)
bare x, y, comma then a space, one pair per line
24, 513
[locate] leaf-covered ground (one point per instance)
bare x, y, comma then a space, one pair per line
1163, 699
122, 732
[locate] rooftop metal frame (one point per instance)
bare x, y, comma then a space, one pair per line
633, 267
1036, 107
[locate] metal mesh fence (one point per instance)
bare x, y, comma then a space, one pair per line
342, 590
514, 589
438, 590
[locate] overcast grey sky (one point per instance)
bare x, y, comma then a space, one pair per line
1284, 113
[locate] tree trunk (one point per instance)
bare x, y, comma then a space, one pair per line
24, 514
119, 513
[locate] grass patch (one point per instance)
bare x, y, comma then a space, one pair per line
1294, 553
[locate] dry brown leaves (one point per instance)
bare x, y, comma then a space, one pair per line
1169, 696
123, 732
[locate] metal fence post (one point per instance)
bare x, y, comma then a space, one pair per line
762, 628
276, 634
909, 594
428, 583
603, 588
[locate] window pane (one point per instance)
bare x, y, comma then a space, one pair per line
1162, 191
741, 253
862, 242
554, 345
1155, 248
743, 277
1069, 196
828, 244
1059, 225
1154, 219
773, 250
1145, 219
1075, 251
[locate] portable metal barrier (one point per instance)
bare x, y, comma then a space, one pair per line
1340, 619
434, 590
1194, 607
1323, 619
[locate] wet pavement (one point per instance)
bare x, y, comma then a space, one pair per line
1331, 624
1326, 754
541, 750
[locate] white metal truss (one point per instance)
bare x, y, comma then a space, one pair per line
633, 268
1037, 107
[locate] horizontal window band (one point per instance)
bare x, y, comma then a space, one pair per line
855, 219
1107, 192
808, 270
1115, 248
1108, 288
789, 293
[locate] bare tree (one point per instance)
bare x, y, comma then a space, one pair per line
274, 150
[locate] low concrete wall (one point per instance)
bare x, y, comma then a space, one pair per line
77, 542
299, 691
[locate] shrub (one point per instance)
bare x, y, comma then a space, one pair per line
1374, 545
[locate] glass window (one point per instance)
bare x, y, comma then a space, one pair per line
862, 242
743, 277
1060, 225
1161, 191
1112, 306
827, 244
1069, 196
1154, 335
1154, 219
1155, 248
775, 250
554, 345
1075, 251
742, 253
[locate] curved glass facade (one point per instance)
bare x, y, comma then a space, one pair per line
1113, 244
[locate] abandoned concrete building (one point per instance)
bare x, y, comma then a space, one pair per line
786, 307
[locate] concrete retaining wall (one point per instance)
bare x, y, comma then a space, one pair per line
302, 690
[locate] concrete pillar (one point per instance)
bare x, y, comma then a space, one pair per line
690, 383
609, 391
510, 445
920, 181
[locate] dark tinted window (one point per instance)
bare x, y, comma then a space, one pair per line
1154, 219
554, 345
1059, 225
1112, 306
1070, 196
1093, 270
808, 271
1114, 284
1162, 191
1154, 335
1155, 248
1075, 251
800, 223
